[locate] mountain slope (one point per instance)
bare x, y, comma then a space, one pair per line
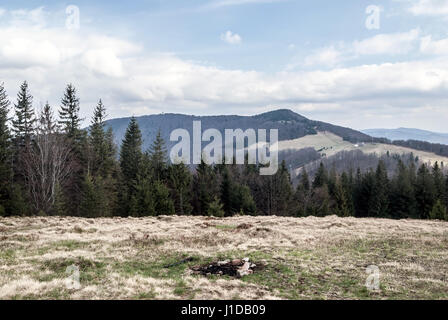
408, 134
290, 125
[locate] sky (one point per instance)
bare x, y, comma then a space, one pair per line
360, 64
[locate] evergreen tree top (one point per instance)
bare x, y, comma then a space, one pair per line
23, 124
4, 104
69, 112
99, 114
158, 150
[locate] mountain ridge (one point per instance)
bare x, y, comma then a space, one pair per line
408, 134
290, 124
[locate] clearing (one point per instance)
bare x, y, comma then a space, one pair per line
329, 144
152, 258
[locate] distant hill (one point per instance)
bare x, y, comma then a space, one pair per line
290, 125
408, 134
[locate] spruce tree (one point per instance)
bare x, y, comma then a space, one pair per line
401, 193
439, 211
379, 200
24, 121
131, 152
163, 204
425, 192
94, 200
364, 195
141, 198
180, 181
5, 153
158, 156
439, 181
134, 188
215, 208
348, 188
342, 208
69, 115
205, 188
305, 180
302, 195
321, 177
102, 160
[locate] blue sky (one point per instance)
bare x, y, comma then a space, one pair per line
317, 58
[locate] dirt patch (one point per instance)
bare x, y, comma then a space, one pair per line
234, 268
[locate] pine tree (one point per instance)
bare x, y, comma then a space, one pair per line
141, 201
279, 192
235, 197
180, 181
305, 180
94, 201
131, 152
69, 115
103, 150
401, 193
205, 188
135, 197
320, 202
348, 188
226, 192
215, 208
439, 211
341, 203
439, 181
379, 202
5, 153
24, 121
365, 188
163, 204
425, 192
321, 177
158, 156
332, 181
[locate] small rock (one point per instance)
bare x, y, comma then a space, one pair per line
222, 263
236, 262
246, 259
253, 265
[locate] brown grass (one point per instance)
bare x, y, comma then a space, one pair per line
307, 258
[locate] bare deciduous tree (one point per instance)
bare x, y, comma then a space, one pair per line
48, 163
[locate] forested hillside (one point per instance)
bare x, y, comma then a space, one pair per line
50, 166
289, 124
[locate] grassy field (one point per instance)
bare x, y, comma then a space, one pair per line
304, 258
330, 144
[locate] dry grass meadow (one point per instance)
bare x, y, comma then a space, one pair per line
306, 258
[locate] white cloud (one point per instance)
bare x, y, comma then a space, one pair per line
2, 12
231, 38
35, 17
327, 57
390, 44
429, 7
437, 47
228, 3
381, 44
133, 81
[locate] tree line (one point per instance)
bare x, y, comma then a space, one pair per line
50, 166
